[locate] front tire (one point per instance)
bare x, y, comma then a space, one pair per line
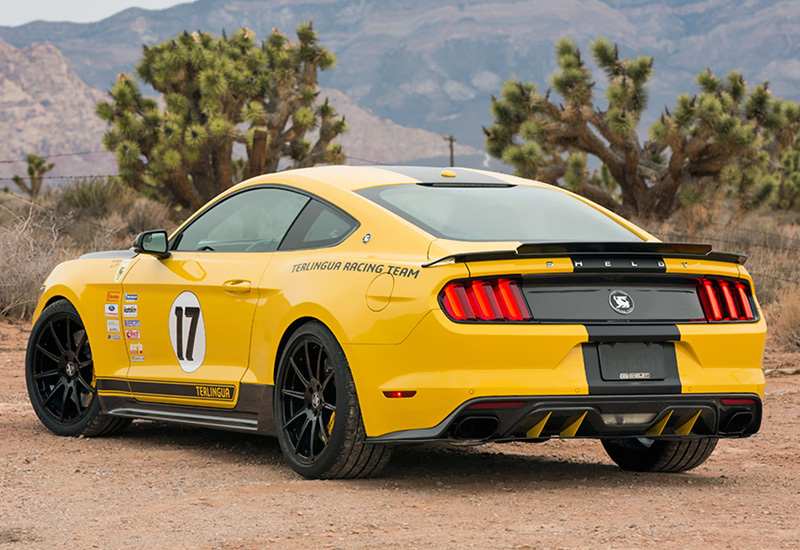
659, 455
320, 429
59, 371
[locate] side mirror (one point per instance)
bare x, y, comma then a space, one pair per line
152, 242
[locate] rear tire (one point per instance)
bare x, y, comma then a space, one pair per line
659, 455
320, 428
59, 371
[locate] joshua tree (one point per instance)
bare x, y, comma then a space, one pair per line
726, 139
37, 168
217, 91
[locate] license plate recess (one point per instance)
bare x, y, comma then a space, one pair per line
632, 361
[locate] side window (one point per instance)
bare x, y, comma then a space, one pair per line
251, 221
319, 226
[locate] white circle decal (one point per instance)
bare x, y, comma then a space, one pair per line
187, 331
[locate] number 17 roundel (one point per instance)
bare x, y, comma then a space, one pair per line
187, 331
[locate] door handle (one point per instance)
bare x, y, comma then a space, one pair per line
237, 286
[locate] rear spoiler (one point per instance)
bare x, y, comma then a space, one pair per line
701, 251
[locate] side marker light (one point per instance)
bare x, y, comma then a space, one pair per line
399, 394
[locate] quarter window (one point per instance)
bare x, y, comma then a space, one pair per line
319, 226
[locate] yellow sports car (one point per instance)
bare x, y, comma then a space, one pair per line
349, 309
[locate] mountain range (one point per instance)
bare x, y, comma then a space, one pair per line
434, 65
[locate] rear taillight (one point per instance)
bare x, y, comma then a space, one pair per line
484, 300
725, 300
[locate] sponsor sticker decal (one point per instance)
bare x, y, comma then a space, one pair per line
115, 337
112, 310
136, 349
132, 334
130, 310
131, 323
137, 358
121, 270
112, 325
112, 296
131, 297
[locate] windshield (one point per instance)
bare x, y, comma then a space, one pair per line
499, 213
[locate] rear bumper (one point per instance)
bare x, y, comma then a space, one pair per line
536, 418
448, 364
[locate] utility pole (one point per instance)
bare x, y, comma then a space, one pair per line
452, 141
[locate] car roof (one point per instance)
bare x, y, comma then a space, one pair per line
353, 178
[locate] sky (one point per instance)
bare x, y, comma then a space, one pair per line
18, 12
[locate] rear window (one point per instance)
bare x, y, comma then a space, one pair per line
499, 213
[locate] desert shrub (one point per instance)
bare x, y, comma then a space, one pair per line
145, 214
784, 321
93, 196
30, 246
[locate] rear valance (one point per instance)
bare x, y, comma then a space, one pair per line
701, 251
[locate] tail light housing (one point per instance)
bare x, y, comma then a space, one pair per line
482, 300
726, 300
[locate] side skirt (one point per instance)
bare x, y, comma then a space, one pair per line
253, 412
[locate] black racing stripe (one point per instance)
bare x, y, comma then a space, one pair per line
598, 386
633, 333
112, 384
426, 174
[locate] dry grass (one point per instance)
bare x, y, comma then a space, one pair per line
785, 321
34, 238
30, 245
772, 249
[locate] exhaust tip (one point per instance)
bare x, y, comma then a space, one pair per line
737, 423
476, 427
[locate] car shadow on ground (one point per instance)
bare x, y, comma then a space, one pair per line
425, 466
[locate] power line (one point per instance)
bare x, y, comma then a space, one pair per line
48, 157
69, 177
368, 161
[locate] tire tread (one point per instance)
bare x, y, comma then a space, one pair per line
668, 456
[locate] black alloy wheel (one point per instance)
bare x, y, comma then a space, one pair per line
59, 369
308, 399
319, 422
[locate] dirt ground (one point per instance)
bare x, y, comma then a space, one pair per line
165, 486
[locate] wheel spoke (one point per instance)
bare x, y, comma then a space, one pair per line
53, 393
47, 354
46, 374
77, 399
300, 435
69, 336
64, 403
319, 364
297, 372
295, 394
55, 337
322, 430
81, 343
308, 361
312, 439
295, 417
328, 406
86, 385
327, 379
85, 364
